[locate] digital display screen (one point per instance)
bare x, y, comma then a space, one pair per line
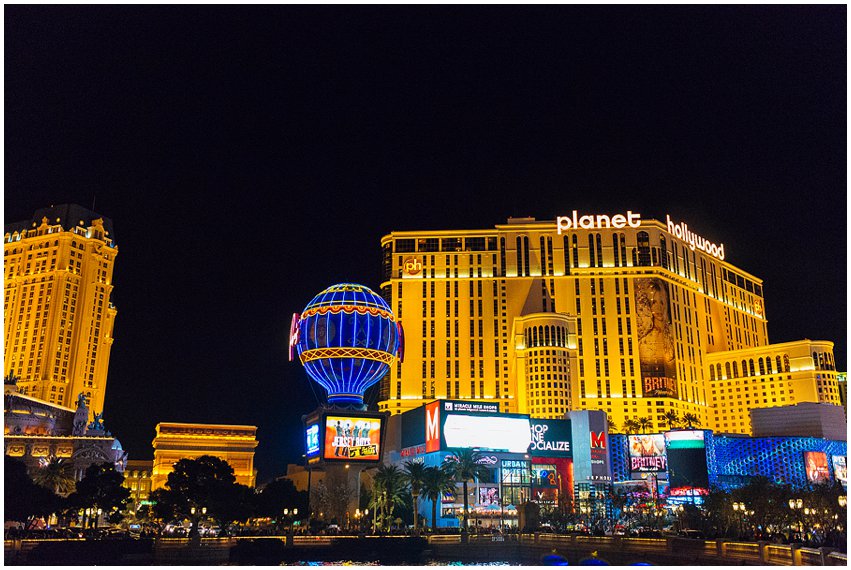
312, 440
352, 438
647, 453
544, 476
840, 469
815, 463
487, 432
686, 452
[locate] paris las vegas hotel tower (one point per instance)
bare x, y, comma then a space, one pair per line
635, 317
57, 313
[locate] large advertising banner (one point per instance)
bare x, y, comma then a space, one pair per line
815, 463
686, 452
655, 338
352, 438
840, 469
551, 438
647, 453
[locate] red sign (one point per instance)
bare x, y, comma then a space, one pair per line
598, 440
432, 419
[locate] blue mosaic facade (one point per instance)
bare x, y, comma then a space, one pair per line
733, 460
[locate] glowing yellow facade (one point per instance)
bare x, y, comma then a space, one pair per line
57, 314
610, 313
231, 443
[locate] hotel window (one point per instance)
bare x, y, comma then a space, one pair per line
591, 254
599, 251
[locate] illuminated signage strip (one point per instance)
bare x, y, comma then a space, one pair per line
587, 222
494, 433
694, 241
633, 220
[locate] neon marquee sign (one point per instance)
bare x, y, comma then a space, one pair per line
694, 241
587, 222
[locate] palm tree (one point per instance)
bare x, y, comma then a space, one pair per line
57, 475
388, 487
630, 426
613, 426
464, 467
691, 420
672, 418
644, 424
437, 481
414, 473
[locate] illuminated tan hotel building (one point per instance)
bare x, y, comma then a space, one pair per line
635, 317
57, 313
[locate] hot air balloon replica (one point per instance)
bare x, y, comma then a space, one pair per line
346, 338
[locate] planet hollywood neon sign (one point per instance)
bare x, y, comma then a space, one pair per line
633, 220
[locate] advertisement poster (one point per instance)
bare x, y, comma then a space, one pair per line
655, 338
815, 463
647, 453
550, 438
352, 438
312, 440
488, 496
840, 469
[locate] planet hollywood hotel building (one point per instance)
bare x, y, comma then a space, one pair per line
630, 316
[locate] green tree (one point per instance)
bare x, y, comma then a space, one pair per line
437, 481
464, 467
23, 500
101, 488
278, 495
672, 419
388, 487
194, 484
691, 420
630, 426
644, 424
56, 474
414, 473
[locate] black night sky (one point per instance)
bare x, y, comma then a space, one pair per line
250, 157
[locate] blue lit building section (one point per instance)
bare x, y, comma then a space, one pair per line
733, 460
347, 338
778, 458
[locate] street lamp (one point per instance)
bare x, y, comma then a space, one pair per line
843, 500
796, 505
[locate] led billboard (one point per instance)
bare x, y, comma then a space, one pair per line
815, 463
551, 438
686, 452
647, 453
840, 469
312, 440
352, 438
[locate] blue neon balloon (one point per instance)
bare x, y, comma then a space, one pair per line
347, 339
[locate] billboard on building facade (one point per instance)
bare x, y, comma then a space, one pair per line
815, 464
686, 452
655, 338
840, 469
352, 438
551, 438
647, 453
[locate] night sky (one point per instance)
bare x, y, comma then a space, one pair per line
250, 157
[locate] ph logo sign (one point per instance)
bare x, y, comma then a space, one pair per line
412, 266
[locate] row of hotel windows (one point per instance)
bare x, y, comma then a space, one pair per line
765, 367
642, 256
